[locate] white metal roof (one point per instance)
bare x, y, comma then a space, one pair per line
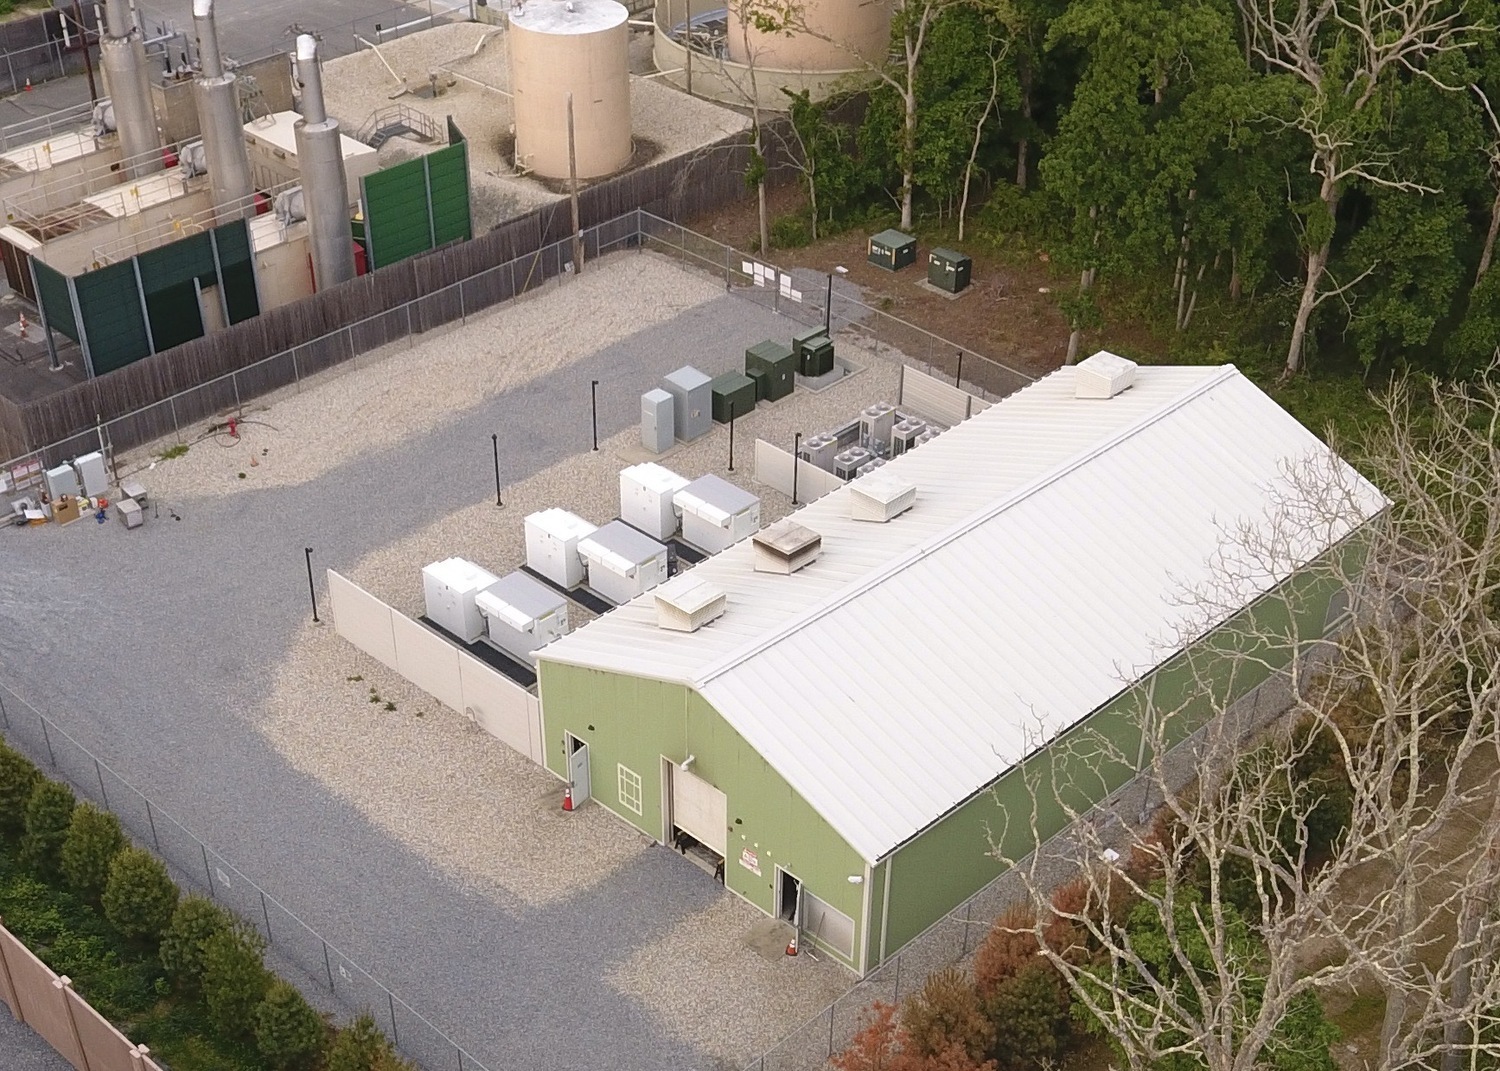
1040, 570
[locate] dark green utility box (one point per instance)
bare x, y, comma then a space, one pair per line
814, 351
732, 389
948, 270
762, 380
893, 250
780, 367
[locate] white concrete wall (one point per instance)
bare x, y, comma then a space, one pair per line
773, 467
931, 398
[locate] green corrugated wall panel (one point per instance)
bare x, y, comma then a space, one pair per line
396, 212
635, 721
176, 316
52, 291
235, 256
169, 266
448, 174
110, 304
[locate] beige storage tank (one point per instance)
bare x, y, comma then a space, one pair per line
577, 46
841, 35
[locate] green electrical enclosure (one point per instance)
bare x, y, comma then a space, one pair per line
949, 270
892, 250
814, 352
419, 205
732, 389
778, 364
762, 380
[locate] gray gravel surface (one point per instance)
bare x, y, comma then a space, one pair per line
157, 649
22, 1049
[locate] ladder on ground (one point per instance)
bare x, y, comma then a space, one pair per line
397, 121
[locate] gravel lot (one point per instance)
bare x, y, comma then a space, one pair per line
173, 652
358, 85
23, 1049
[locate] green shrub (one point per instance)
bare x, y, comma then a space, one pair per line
140, 896
94, 839
1029, 1015
18, 778
357, 1046
195, 920
235, 979
946, 1013
49, 812
790, 232
288, 1032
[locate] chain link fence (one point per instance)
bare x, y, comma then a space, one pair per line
198, 868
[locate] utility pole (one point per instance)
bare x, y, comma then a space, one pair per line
573, 191
88, 59
687, 39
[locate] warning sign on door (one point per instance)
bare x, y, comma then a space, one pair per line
750, 861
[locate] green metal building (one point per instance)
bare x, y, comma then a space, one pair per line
846, 735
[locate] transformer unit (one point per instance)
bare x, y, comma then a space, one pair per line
904, 434
846, 465
552, 537
875, 426
716, 514
451, 588
819, 450
622, 563
522, 614
646, 492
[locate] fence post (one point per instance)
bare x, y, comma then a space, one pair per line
152, 820
326, 965
896, 998
207, 869
103, 795
395, 1033
176, 428
296, 372
4, 715
265, 915
11, 67
51, 758
968, 918
830, 1029
11, 996
64, 985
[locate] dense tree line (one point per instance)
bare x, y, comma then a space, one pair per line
1326, 171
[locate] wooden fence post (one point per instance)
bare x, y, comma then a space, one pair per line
11, 996
138, 1054
64, 986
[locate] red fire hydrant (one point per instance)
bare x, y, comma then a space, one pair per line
234, 428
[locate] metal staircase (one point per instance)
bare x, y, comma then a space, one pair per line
398, 121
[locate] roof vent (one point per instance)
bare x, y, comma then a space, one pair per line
880, 497
1103, 375
686, 603
785, 547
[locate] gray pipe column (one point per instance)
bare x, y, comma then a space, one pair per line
325, 185
217, 97
122, 57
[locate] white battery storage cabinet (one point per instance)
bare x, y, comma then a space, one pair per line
451, 587
716, 514
523, 615
623, 563
646, 492
552, 537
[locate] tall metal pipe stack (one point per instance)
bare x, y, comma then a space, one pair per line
123, 58
325, 184
217, 97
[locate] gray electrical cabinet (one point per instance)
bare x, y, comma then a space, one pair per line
692, 402
657, 421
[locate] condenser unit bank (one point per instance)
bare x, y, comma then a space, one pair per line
876, 423
716, 514
846, 464
948, 270
820, 450
779, 365
623, 563
552, 537
892, 250
451, 588
733, 396
646, 492
522, 614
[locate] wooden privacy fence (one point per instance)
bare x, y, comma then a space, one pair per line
455, 678
46, 1002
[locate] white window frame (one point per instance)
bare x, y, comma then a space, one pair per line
628, 788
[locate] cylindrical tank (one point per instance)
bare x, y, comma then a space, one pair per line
123, 60
217, 98
581, 47
839, 35
325, 191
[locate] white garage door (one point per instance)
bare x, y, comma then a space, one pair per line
699, 808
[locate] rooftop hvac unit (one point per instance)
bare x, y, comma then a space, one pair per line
881, 497
868, 467
819, 450
687, 603
716, 514
522, 614
785, 547
451, 588
847, 463
927, 436
552, 545
1103, 375
622, 563
904, 434
646, 492
875, 426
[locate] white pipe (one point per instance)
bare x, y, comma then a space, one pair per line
210, 63
311, 75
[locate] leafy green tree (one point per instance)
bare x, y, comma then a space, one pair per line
49, 813
185, 943
94, 839
140, 896
18, 777
357, 1046
288, 1032
235, 980
833, 176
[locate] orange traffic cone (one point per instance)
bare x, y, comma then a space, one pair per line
23, 325
28, 85
568, 798
791, 946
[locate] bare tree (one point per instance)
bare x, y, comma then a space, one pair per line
1254, 910
1487, 254
1346, 53
998, 50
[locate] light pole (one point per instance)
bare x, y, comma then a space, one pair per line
495, 442
594, 406
958, 377
312, 592
731, 436
796, 463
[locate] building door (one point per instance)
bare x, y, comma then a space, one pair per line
789, 898
578, 768
700, 810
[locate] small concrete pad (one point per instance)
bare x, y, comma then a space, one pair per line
768, 939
